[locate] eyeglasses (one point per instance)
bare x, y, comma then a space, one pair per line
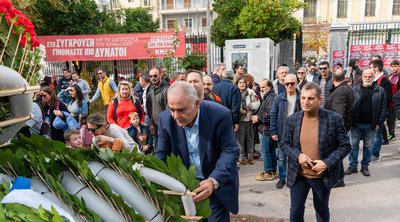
153, 76
99, 73
300, 72
94, 129
290, 83
323, 68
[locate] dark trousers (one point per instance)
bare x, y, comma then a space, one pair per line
219, 212
391, 121
298, 196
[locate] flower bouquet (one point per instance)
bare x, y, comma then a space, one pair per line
21, 59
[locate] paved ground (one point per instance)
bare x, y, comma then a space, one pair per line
375, 198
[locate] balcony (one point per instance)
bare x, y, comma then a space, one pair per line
183, 6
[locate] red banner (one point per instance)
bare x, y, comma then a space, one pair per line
337, 57
112, 46
363, 53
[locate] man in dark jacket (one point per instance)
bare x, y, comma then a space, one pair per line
285, 104
341, 101
230, 96
382, 81
324, 81
64, 82
158, 98
268, 146
341, 98
316, 142
369, 113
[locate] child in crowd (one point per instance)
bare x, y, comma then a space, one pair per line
73, 139
85, 133
140, 134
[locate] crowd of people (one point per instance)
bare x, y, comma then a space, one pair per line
304, 120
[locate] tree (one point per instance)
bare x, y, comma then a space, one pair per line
224, 26
138, 20
255, 19
78, 17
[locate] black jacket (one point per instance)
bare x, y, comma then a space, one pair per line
341, 100
387, 86
264, 113
379, 107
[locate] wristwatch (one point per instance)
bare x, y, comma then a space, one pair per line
215, 183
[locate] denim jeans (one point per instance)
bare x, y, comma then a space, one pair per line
282, 162
377, 143
364, 132
298, 196
268, 152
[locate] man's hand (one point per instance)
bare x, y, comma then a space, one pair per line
305, 161
236, 128
58, 113
254, 118
204, 191
152, 129
319, 166
274, 137
145, 148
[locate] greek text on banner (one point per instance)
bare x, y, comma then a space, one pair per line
113, 46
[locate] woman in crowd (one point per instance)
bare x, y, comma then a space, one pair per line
52, 108
124, 104
78, 105
245, 134
301, 76
108, 135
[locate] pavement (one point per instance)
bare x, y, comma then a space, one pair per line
363, 199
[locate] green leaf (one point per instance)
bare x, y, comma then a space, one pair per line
56, 217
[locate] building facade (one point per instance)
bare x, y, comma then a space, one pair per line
337, 30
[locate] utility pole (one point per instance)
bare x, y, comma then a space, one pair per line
208, 38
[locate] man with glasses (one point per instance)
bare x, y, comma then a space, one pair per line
324, 81
285, 104
106, 88
158, 98
201, 133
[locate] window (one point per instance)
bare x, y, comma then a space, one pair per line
370, 7
170, 4
311, 10
188, 22
342, 9
203, 22
146, 2
187, 3
171, 23
396, 7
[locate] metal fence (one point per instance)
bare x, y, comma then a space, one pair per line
376, 33
195, 43
365, 40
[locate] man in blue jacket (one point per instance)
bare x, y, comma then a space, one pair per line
230, 96
285, 104
201, 133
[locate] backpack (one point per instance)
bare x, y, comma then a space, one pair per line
136, 103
